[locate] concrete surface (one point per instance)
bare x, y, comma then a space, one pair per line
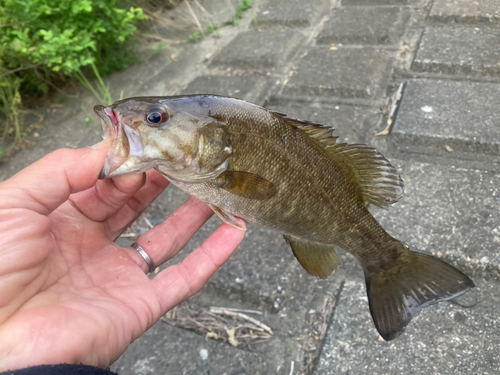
456, 119
370, 25
444, 339
470, 11
460, 49
292, 13
257, 50
317, 61
341, 72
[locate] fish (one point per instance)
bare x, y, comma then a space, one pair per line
287, 175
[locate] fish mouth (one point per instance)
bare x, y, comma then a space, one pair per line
109, 121
126, 149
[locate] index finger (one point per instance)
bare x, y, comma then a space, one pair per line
47, 183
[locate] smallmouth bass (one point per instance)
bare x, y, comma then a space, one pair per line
287, 175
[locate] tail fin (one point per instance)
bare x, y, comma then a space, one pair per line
417, 280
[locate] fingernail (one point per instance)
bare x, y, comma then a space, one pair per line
99, 146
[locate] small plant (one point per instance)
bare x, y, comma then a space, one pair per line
88, 121
242, 6
214, 29
255, 22
158, 47
195, 36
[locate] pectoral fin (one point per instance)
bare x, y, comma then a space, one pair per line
226, 217
318, 259
246, 185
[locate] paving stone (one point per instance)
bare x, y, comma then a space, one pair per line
258, 50
445, 339
345, 72
370, 25
459, 50
455, 119
465, 11
235, 86
352, 124
297, 13
378, 2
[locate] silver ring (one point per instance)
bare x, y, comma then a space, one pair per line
144, 255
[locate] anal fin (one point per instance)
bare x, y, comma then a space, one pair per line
226, 217
318, 259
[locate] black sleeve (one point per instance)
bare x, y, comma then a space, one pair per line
62, 369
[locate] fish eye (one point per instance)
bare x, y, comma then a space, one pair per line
157, 117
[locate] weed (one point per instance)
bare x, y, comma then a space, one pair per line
255, 22
158, 47
101, 91
214, 29
242, 6
195, 36
88, 121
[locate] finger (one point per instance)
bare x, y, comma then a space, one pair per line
136, 205
107, 197
182, 281
162, 242
47, 183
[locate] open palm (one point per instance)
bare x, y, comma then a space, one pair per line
68, 294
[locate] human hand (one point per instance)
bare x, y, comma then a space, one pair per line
68, 293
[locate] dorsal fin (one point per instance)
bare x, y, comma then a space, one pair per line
378, 180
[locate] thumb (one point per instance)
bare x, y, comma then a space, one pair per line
47, 183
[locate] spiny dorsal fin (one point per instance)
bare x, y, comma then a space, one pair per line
378, 180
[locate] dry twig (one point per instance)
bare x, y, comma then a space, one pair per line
234, 327
239, 310
216, 310
395, 100
195, 18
